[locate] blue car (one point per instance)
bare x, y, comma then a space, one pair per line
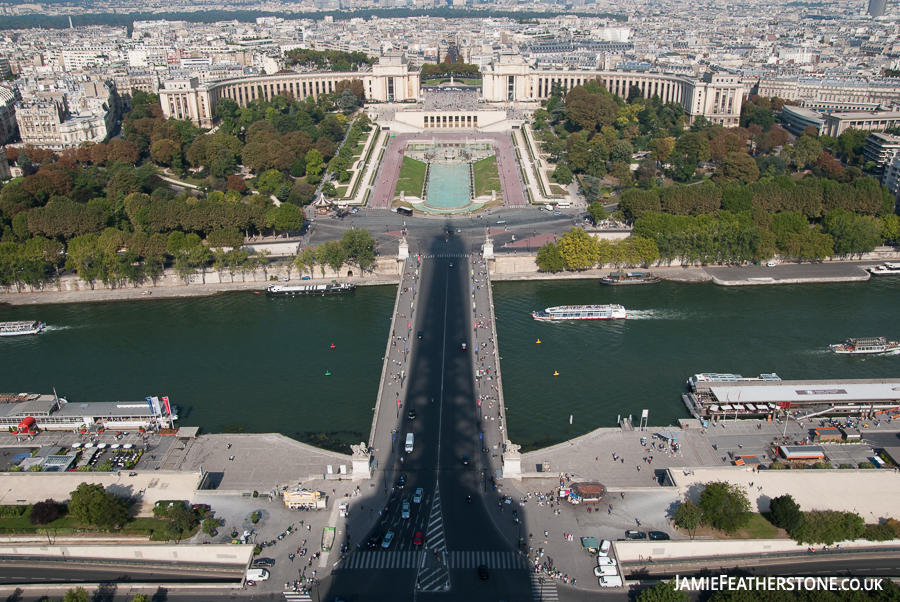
305, 278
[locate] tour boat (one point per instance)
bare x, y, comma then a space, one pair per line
887, 268
581, 312
630, 278
863, 346
277, 290
13, 329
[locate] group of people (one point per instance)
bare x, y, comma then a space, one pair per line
450, 100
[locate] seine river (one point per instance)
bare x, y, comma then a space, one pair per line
245, 362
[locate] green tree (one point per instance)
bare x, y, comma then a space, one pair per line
621, 152
91, 504
578, 249
634, 203
306, 261
597, 212
332, 254
145, 597
360, 246
79, 594
725, 506
563, 174
786, 513
661, 148
693, 147
663, 591
314, 162
739, 167
210, 526
578, 156
688, 516
549, 258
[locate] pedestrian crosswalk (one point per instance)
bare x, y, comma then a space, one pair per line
297, 597
378, 559
544, 588
410, 559
434, 572
444, 255
492, 560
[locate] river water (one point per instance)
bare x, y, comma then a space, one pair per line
673, 330
245, 362
232, 362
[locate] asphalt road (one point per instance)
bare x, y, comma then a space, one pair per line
846, 565
453, 527
72, 575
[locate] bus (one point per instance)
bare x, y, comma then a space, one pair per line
404, 211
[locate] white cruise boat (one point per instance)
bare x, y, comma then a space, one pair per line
887, 268
865, 346
580, 312
14, 329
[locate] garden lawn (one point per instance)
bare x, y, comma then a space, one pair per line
487, 177
411, 178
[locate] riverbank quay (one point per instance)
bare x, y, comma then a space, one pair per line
791, 273
172, 288
644, 485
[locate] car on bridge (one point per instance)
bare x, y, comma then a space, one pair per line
464, 346
417, 538
404, 513
401, 482
465, 459
482, 572
420, 334
417, 496
411, 415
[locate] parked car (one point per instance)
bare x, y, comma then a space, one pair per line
605, 561
610, 581
604, 547
305, 278
501, 221
264, 562
606, 571
635, 535
658, 535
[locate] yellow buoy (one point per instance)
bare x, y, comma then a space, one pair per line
538, 341
555, 373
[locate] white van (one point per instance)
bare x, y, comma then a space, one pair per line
409, 442
257, 574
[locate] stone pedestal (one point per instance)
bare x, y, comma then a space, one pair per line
493, 195
487, 249
402, 196
403, 250
362, 462
512, 461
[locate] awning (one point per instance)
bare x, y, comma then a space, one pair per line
589, 543
671, 435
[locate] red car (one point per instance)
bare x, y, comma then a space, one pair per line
417, 538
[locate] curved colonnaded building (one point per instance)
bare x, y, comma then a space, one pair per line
715, 96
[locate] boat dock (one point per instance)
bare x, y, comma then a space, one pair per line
764, 398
